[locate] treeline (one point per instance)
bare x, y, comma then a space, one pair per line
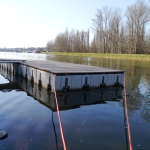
73, 41
114, 32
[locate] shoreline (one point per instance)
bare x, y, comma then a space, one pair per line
145, 57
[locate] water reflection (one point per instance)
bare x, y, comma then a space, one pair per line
137, 78
67, 100
138, 85
28, 56
77, 135
137, 75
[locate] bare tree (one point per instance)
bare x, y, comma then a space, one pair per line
50, 46
106, 27
116, 19
138, 15
112, 34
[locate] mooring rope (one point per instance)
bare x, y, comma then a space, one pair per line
126, 113
59, 119
127, 118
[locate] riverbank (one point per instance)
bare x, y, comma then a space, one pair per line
145, 57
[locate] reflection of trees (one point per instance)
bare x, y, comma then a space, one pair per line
134, 71
144, 90
69, 59
145, 112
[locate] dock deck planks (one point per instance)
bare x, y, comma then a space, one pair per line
68, 68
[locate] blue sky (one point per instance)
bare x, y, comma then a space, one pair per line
31, 23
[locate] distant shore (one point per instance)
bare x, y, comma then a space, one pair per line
145, 57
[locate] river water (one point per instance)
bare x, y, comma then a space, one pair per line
93, 123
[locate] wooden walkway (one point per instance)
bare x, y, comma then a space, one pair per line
61, 68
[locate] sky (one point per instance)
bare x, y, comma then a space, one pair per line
32, 23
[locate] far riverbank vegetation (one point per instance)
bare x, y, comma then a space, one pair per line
144, 57
112, 31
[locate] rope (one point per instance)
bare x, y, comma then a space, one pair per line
58, 113
126, 113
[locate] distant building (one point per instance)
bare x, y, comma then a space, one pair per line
24, 50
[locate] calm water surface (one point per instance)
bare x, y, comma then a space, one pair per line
32, 125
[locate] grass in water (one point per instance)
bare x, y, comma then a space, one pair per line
106, 55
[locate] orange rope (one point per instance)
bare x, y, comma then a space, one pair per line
60, 124
126, 113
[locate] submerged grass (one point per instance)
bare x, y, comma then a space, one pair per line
106, 55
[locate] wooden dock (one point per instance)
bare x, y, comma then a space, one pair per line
67, 76
62, 68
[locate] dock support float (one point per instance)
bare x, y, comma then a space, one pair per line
65, 80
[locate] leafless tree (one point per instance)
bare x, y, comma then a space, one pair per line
106, 27
138, 16
50, 46
113, 32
